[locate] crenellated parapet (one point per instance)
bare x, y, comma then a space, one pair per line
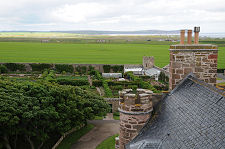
135, 109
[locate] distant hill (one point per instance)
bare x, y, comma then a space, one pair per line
94, 32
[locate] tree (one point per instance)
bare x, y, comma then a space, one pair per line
36, 110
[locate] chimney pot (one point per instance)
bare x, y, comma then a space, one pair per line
182, 36
189, 38
196, 30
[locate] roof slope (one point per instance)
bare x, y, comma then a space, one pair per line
191, 116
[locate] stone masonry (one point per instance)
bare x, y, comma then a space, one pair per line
199, 59
135, 109
148, 62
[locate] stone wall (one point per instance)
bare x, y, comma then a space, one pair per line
114, 102
148, 62
135, 110
198, 59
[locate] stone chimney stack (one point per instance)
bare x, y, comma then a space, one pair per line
196, 30
135, 109
189, 37
200, 59
182, 36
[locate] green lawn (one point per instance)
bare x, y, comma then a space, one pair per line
73, 137
108, 143
87, 53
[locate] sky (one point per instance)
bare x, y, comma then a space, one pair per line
113, 15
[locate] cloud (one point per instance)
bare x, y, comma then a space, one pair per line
78, 13
112, 14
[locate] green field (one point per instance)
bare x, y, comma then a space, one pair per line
27, 52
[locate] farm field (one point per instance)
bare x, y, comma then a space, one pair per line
27, 52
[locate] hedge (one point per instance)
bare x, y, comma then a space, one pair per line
15, 67
126, 83
106, 68
3, 69
40, 67
117, 68
64, 67
108, 91
97, 83
74, 82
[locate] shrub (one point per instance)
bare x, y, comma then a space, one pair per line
15, 67
124, 83
163, 77
40, 67
73, 82
64, 67
108, 91
90, 68
117, 68
97, 83
83, 70
3, 69
106, 68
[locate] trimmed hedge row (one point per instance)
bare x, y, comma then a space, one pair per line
15, 67
74, 82
124, 83
40, 67
64, 67
3, 69
115, 68
97, 83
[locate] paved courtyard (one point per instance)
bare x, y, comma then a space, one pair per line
102, 130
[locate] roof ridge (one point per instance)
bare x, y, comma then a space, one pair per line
212, 88
193, 78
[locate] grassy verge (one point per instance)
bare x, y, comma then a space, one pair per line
108, 143
73, 137
98, 118
116, 116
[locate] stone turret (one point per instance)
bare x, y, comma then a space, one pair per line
148, 62
135, 109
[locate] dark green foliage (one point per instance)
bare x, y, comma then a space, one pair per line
78, 69
162, 88
106, 68
40, 67
117, 68
90, 68
139, 81
108, 91
163, 78
123, 83
15, 67
83, 70
3, 69
96, 74
64, 67
35, 111
97, 83
73, 82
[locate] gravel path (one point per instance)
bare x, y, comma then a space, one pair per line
102, 130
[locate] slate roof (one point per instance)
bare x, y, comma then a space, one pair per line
191, 116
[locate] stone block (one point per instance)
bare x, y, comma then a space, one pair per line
212, 56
